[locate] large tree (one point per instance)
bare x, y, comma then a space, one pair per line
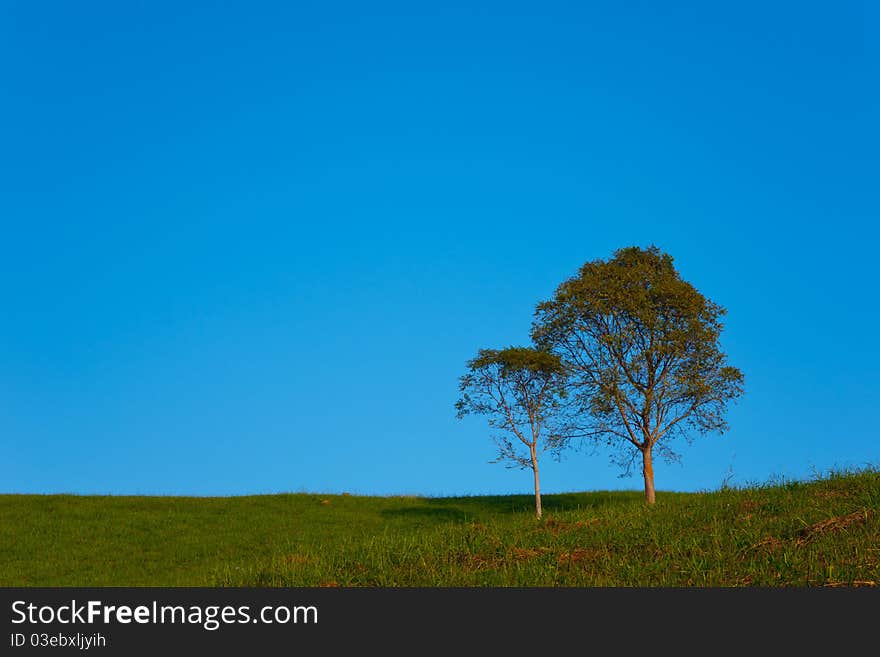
642, 349
517, 389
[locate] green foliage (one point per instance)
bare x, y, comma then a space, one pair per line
517, 389
816, 533
641, 347
515, 361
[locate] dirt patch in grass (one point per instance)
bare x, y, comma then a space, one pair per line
476, 561
768, 544
855, 583
832, 494
578, 556
482, 561
749, 507
837, 523
523, 554
814, 531
295, 559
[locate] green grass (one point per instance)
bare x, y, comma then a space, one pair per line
821, 532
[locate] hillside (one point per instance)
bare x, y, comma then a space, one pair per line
818, 533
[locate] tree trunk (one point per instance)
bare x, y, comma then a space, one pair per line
648, 472
537, 484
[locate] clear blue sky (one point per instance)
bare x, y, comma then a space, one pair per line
248, 247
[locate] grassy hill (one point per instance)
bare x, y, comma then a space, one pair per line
822, 532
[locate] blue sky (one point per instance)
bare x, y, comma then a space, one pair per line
248, 247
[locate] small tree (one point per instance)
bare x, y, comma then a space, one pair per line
517, 389
641, 346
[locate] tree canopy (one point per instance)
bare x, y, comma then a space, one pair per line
640, 346
517, 389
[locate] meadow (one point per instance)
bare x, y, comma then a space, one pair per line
822, 532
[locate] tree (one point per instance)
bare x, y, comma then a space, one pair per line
641, 348
518, 389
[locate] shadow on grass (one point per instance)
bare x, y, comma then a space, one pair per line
526, 503
440, 514
466, 509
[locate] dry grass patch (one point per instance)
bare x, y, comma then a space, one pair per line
768, 543
296, 559
837, 523
579, 555
522, 554
855, 584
